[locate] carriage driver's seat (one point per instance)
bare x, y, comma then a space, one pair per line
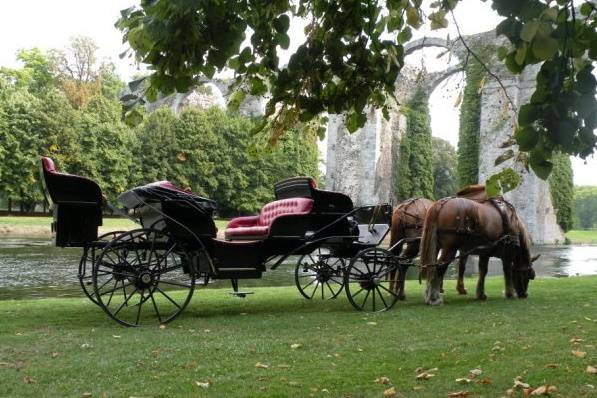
77, 204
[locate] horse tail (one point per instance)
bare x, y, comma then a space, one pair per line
396, 231
429, 241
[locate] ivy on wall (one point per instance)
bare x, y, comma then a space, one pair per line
562, 190
470, 119
415, 167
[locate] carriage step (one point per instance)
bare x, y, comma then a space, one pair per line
241, 294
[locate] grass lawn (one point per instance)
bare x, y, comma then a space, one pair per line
583, 236
109, 223
68, 347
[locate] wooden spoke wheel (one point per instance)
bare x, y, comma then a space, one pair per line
319, 275
367, 280
143, 276
86, 265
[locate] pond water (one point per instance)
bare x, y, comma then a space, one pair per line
32, 268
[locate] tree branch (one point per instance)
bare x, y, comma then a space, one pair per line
471, 52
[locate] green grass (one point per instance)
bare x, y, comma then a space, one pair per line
582, 236
109, 223
67, 347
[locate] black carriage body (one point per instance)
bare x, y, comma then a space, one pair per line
77, 206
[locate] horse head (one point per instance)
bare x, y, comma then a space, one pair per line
523, 271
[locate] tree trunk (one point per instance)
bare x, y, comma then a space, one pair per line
9, 205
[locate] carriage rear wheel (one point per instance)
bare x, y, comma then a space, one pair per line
367, 280
319, 275
143, 276
86, 265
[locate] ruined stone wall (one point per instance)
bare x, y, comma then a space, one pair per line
354, 168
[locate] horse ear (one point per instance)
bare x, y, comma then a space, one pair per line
534, 258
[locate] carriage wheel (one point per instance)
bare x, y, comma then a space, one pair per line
143, 276
86, 265
367, 280
318, 275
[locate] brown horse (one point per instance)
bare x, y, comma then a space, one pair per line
407, 222
474, 224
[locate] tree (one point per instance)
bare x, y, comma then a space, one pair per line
415, 169
77, 70
585, 207
35, 75
470, 126
352, 56
562, 190
444, 168
21, 140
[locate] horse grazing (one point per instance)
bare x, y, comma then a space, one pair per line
407, 222
473, 223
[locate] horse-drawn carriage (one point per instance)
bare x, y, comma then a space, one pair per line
152, 271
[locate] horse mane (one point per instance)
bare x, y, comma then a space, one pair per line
524, 237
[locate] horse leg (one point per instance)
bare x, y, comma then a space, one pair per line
401, 279
483, 265
434, 297
508, 283
461, 268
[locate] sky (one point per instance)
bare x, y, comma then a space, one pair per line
50, 24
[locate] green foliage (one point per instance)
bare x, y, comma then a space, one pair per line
585, 207
36, 74
561, 186
415, 168
470, 124
352, 56
208, 151
444, 168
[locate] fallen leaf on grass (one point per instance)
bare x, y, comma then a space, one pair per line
294, 383
460, 394
85, 345
116, 336
543, 390
295, 346
382, 380
261, 365
552, 365
162, 327
371, 323
54, 354
474, 373
390, 392
263, 388
86, 395
579, 354
204, 384
486, 381
592, 370
519, 384
28, 380
575, 340
463, 380
425, 376
325, 390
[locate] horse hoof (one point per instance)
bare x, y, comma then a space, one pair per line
462, 291
482, 297
436, 302
509, 295
401, 297
441, 290
523, 296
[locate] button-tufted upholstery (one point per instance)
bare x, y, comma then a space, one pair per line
257, 227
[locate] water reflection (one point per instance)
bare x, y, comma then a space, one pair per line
31, 268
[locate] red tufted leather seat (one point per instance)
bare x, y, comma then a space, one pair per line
258, 227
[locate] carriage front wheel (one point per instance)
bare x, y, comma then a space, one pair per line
319, 275
367, 280
143, 276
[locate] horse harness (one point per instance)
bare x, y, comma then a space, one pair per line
418, 225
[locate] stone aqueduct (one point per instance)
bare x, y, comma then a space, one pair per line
362, 164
